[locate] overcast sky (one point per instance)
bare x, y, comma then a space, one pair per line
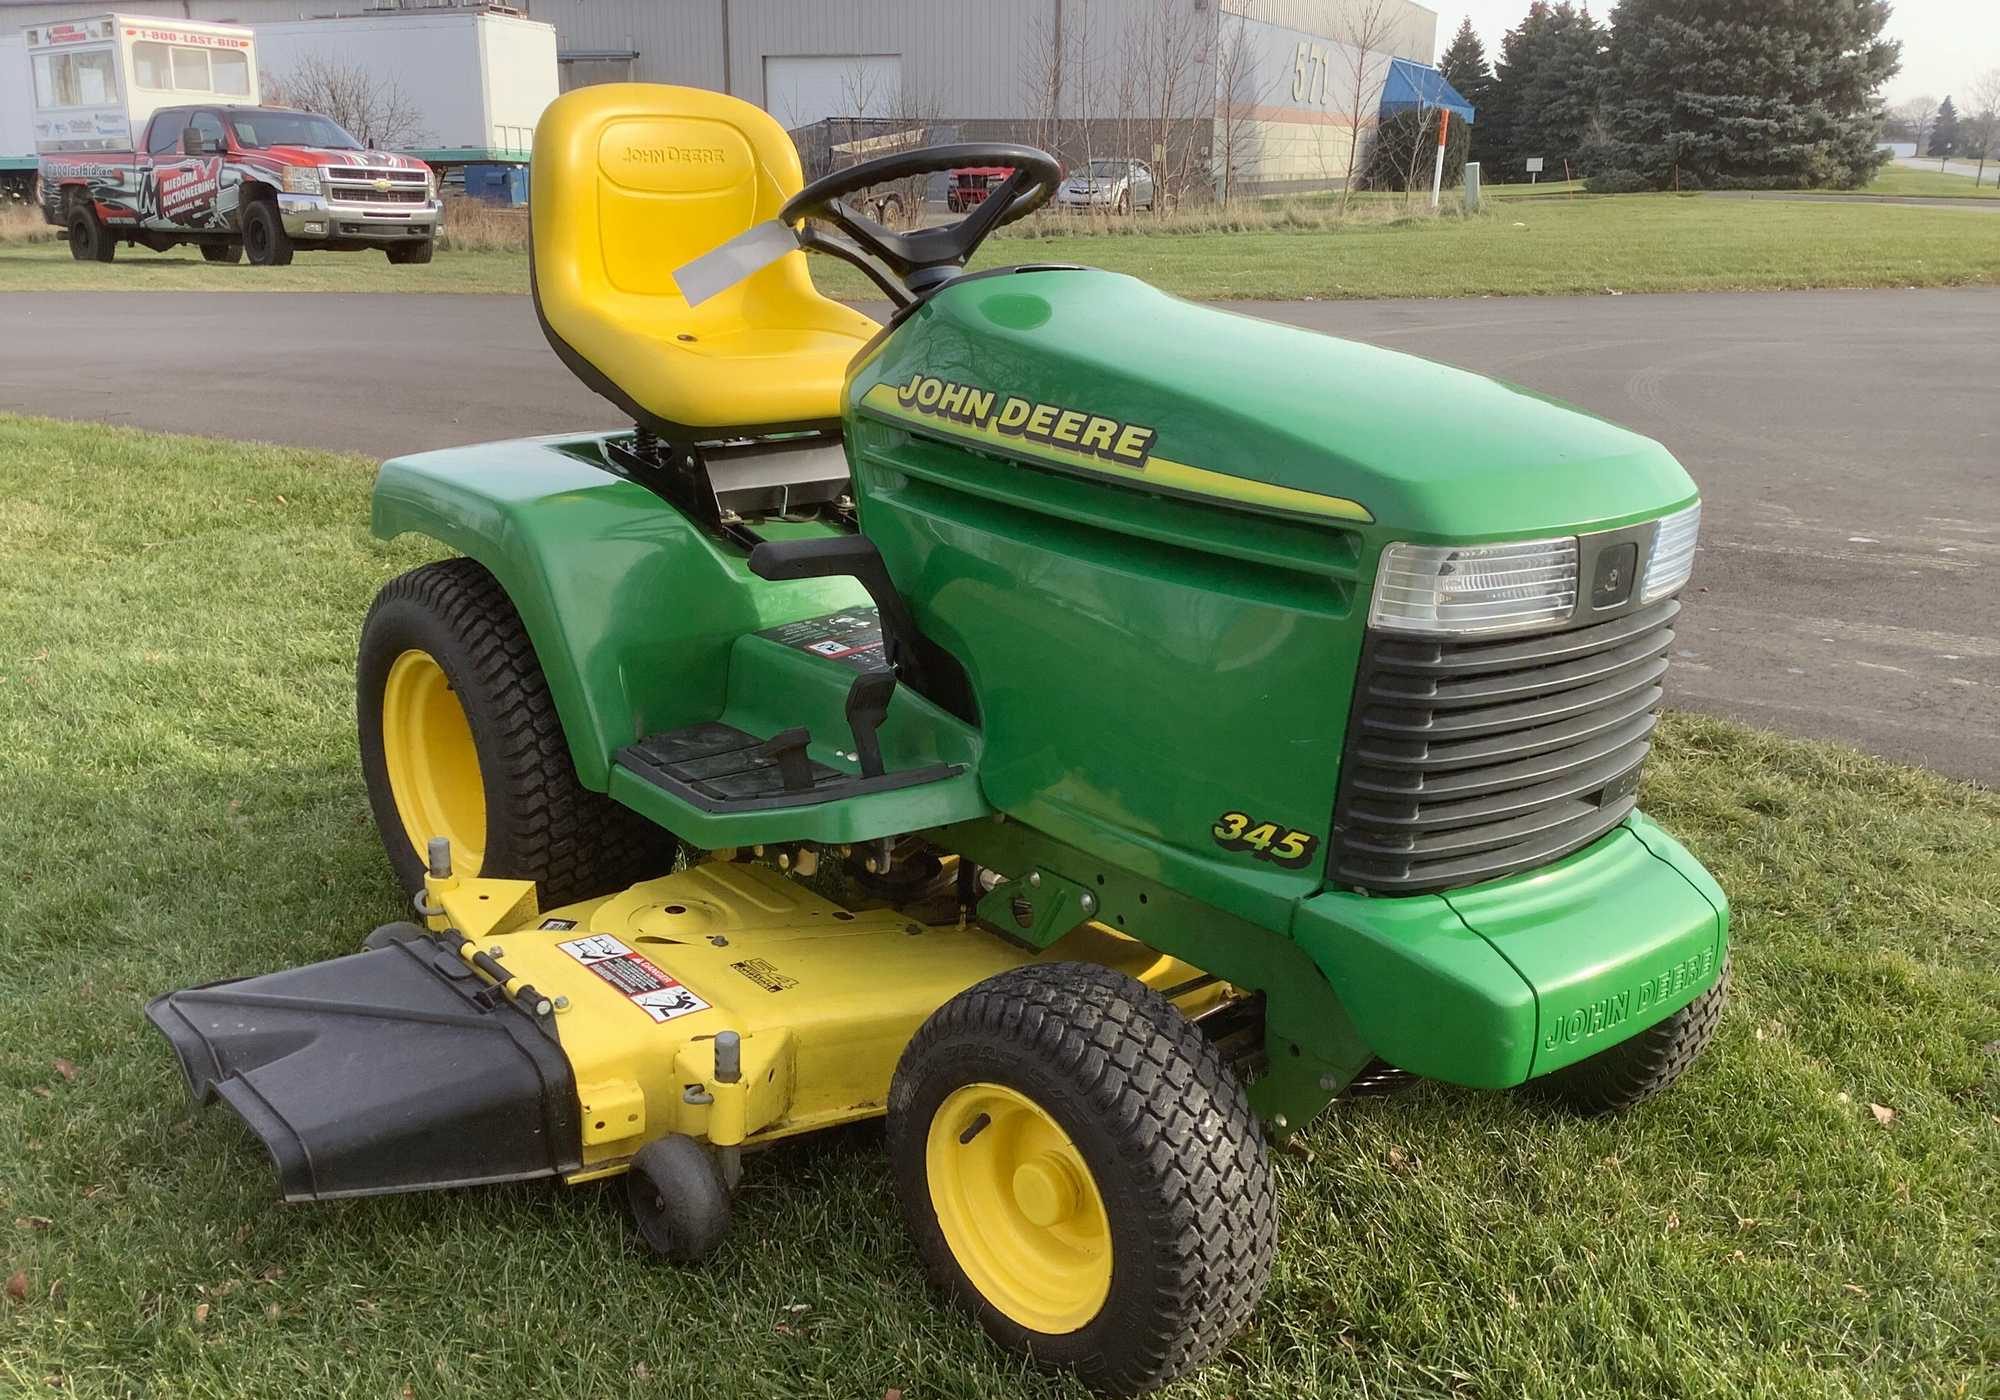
1945, 42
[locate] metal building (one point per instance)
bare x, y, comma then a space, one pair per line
1267, 92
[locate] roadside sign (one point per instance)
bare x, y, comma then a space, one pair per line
1534, 165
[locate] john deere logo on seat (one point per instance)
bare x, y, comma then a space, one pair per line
676, 155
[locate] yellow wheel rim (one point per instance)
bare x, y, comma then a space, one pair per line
1019, 1208
433, 766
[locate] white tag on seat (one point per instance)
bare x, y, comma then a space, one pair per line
723, 266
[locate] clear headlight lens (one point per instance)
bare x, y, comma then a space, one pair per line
1450, 591
1673, 554
301, 179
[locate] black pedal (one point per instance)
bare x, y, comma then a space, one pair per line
788, 750
867, 706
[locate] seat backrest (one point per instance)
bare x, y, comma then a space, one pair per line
631, 181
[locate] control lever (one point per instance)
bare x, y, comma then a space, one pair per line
867, 707
788, 750
854, 556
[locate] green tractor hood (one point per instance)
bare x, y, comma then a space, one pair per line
1102, 374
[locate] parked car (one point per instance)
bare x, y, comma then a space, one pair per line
969, 185
1111, 184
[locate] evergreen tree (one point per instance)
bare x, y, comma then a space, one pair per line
1547, 88
1465, 67
1707, 94
1945, 135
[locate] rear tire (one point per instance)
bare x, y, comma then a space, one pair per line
89, 239
470, 694
410, 254
264, 238
1636, 1069
1082, 1172
231, 252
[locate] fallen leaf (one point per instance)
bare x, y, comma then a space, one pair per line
1884, 1116
785, 1330
91, 1193
1673, 1220
894, 1392
1746, 1222
1842, 1097
42, 1091
271, 1273
641, 1372
1856, 1289
272, 1312
17, 1286
1408, 1163
225, 1288
66, 1069
200, 1314
32, 1222
242, 1231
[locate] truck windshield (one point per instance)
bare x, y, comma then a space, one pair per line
255, 129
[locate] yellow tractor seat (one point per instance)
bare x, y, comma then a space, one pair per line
632, 180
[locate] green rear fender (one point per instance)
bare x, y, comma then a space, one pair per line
632, 610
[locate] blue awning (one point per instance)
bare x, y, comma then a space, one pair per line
1412, 84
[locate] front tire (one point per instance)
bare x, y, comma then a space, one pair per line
1637, 1068
89, 239
460, 738
264, 238
410, 254
1081, 1171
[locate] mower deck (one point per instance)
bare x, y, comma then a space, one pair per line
559, 1043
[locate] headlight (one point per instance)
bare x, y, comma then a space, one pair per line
1673, 554
301, 179
1453, 590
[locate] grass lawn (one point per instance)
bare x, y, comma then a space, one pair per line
1901, 179
183, 804
1637, 243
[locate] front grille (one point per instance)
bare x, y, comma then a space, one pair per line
371, 195
1469, 760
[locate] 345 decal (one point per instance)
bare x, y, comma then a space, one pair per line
1281, 845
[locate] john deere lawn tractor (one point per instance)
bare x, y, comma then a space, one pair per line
1091, 731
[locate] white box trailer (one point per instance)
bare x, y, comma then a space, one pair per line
479, 80
17, 119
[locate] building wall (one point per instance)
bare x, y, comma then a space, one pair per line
993, 65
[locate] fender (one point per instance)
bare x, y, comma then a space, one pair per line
631, 608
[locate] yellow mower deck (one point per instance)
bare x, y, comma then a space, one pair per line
823, 998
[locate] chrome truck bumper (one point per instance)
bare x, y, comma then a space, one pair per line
311, 218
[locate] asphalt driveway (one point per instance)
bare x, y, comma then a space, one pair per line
1847, 445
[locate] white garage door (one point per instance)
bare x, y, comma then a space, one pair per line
802, 89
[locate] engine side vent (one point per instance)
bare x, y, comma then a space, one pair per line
1470, 760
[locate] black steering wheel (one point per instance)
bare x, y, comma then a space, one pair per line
917, 261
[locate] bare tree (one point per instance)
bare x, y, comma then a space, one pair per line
1919, 116
1982, 126
1041, 83
1167, 45
373, 108
1240, 88
1363, 32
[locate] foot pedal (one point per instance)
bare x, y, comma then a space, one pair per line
788, 751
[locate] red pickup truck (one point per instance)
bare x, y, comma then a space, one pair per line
238, 180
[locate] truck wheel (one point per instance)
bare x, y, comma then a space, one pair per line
89, 239
231, 252
460, 739
264, 236
1081, 1171
1634, 1070
404, 254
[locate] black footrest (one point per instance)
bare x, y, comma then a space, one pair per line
720, 768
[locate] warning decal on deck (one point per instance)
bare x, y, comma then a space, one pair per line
651, 990
760, 971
